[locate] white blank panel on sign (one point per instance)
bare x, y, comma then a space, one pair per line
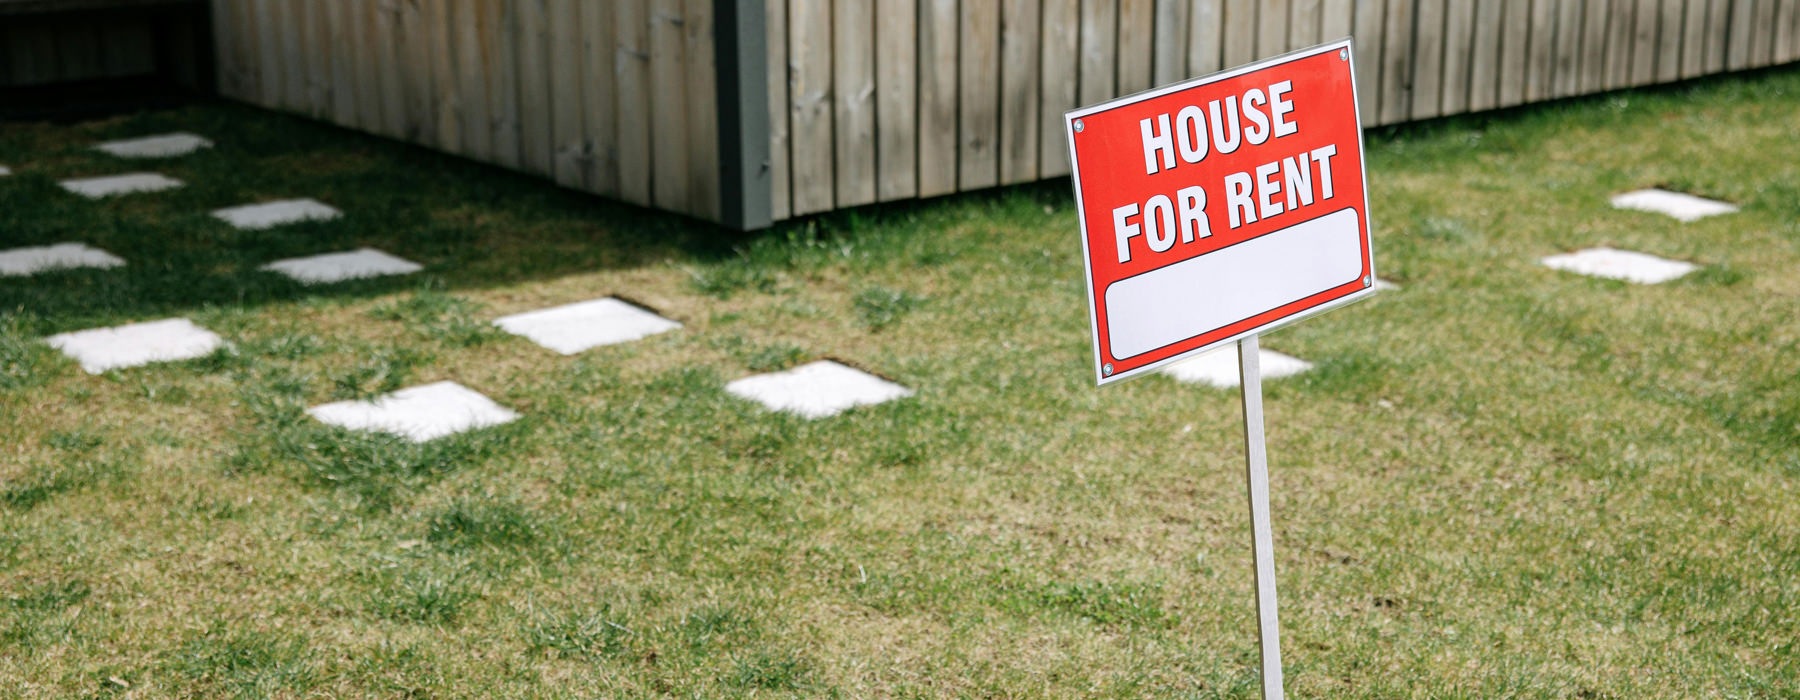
1183, 300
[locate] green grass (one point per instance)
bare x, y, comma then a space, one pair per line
1500, 481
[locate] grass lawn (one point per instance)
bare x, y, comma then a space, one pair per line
1500, 481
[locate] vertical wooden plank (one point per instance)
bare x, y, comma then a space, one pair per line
1368, 23
1540, 62
1668, 42
781, 203
1693, 38
290, 31
1136, 45
1062, 43
564, 86
1397, 63
1428, 58
391, 64
339, 29
631, 24
1567, 67
446, 83
1019, 33
1787, 32
1484, 57
471, 74
1239, 31
1643, 42
978, 123
243, 21
1718, 21
937, 96
809, 87
853, 86
126, 48
1515, 45
266, 51
78, 51
536, 122
228, 45
502, 72
1206, 51
1271, 27
1620, 39
1171, 48
668, 106
600, 171
1337, 18
897, 99
365, 54
1594, 31
1459, 45
1099, 30
320, 90
1305, 20
703, 111
1762, 34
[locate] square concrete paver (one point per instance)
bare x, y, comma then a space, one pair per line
102, 349
255, 217
576, 327
112, 185
420, 413
18, 262
1641, 268
1219, 367
337, 267
159, 146
817, 390
1685, 207
5, 171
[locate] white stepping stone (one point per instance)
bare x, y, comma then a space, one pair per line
817, 390
19, 262
420, 413
111, 185
1685, 207
1219, 367
255, 217
160, 146
1610, 263
5, 171
1382, 285
102, 349
576, 327
337, 267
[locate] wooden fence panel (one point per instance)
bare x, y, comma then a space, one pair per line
1428, 59
1459, 48
809, 87
1240, 32
853, 90
702, 83
1305, 18
503, 78
565, 92
1020, 26
471, 77
1271, 29
1566, 63
1621, 34
1644, 42
1737, 44
937, 97
896, 103
1668, 42
1062, 43
1136, 45
1693, 38
1515, 47
1762, 35
1099, 30
600, 168
1367, 25
978, 126
537, 142
1206, 37
1594, 30
1171, 39
1541, 55
780, 194
1397, 63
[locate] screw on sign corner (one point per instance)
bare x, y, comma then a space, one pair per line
1079, 126
1106, 369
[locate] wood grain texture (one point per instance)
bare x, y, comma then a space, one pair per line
853, 85
1136, 45
1540, 54
1271, 28
471, 77
1459, 36
978, 118
563, 89
537, 142
1206, 51
1668, 41
1099, 55
702, 84
1397, 63
1515, 52
1171, 41
1594, 31
809, 90
1370, 17
1647, 15
781, 203
937, 96
1428, 58
1566, 63
897, 99
631, 56
1020, 28
1239, 31
600, 170
1061, 45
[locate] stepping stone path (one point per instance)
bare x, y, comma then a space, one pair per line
102, 349
576, 327
817, 390
1219, 367
1685, 207
111, 185
255, 217
19, 262
420, 414
160, 146
5, 171
337, 267
1624, 265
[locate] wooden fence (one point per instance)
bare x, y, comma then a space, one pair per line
45, 42
751, 111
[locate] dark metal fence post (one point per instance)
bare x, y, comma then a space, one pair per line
741, 38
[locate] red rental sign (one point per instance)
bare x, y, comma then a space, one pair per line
1220, 207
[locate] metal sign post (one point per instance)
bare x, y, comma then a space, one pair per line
1256, 459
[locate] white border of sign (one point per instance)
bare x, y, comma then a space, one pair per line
1368, 290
